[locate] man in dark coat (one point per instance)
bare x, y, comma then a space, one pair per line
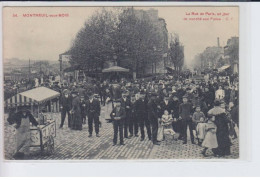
65, 105
174, 106
164, 105
227, 94
186, 115
133, 123
93, 113
209, 97
126, 104
118, 115
141, 115
153, 117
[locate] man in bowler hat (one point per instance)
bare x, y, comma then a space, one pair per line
118, 115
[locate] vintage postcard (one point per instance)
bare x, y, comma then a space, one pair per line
121, 83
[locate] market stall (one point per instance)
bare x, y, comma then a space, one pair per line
41, 136
35, 99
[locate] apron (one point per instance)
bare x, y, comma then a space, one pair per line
23, 135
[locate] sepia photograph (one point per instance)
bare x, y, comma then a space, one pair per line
121, 83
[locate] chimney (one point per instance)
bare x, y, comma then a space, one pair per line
218, 41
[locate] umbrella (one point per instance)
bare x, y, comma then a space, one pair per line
115, 69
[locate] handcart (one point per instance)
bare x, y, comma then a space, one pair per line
27, 135
43, 136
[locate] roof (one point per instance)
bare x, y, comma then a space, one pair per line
223, 68
41, 94
115, 69
33, 96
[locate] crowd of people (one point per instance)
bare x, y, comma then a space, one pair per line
208, 108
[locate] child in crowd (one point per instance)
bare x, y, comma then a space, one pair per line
201, 130
167, 123
197, 115
210, 140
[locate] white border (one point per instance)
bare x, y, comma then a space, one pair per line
190, 167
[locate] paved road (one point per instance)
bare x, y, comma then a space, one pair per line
77, 145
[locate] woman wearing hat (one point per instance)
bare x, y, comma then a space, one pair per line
222, 133
76, 112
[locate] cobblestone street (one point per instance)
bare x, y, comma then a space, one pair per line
77, 145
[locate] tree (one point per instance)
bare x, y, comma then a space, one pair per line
176, 53
92, 45
116, 35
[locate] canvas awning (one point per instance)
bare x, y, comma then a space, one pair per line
223, 68
115, 69
31, 97
169, 69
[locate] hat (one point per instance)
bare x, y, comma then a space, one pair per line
74, 92
166, 96
117, 101
124, 92
65, 91
185, 96
154, 94
216, 103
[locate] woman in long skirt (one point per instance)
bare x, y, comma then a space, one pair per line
76, 112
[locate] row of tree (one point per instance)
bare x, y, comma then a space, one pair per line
119, 35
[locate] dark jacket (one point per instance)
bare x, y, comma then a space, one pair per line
93, 108
141, 109
174, 105
165, 107
121, 113
66, 103
126, 103
185, 111
152, 111
17, 118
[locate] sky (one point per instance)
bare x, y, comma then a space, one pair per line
44, 38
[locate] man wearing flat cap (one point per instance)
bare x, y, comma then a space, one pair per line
93, 113
141, 115
153, 117
118, 115
185, 111
126, 104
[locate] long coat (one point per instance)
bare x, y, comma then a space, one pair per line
222, 133
141, 110
152, 111
76, 114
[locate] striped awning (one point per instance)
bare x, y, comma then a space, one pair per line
31, 97
19, 100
